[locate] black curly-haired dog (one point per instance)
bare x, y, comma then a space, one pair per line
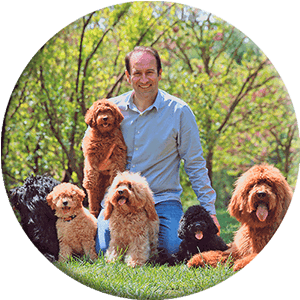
37, 218
198, 233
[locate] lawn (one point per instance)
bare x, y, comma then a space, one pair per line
151, 282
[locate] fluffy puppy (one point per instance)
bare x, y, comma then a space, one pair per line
37, 218
76, 227
260, 201
103, 142
133, 221
198, 233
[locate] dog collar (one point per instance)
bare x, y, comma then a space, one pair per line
68, 219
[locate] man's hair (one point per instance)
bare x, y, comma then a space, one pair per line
143, 49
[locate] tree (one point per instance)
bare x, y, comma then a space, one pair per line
227, 81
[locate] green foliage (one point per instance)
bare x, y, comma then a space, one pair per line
241, 106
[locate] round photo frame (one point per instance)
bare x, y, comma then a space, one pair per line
258, 261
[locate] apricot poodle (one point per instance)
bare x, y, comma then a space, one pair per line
76, 226
260, 201
104, 150
133, 221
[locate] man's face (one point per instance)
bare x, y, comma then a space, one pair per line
144, 77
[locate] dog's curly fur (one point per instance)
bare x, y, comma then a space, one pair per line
37, 218
198, 233
133, 221
104, 119
260, 201
76, 226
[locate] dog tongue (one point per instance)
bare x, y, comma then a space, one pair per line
199, 235
122, 201
262, 212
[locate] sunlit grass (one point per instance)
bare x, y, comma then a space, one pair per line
150, 281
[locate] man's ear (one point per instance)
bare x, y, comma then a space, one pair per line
128, 77
159, 74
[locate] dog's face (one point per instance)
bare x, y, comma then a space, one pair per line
196, 230
196, 224
104, 116
65, 198
129, 193
261, 196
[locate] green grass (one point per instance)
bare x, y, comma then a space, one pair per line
148, 281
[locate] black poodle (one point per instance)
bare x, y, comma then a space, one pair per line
198, 233
37, 218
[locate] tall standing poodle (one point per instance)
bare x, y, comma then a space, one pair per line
37, 218
76, 227
260, 201
103, 142
133, 221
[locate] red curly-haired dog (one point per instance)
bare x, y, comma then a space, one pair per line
133, 221
104, 150
76, 227
260, 201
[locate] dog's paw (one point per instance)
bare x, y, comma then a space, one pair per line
134, 264
87, 184
196, 261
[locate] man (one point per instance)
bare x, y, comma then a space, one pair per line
159, 130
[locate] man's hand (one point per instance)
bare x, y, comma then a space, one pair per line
214, 217
104, 165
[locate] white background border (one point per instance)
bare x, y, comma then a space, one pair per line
27, 25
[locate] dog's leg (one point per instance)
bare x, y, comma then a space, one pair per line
96, 195
94, 202
138, 253
112, 253
65, 252
89, 249
90, 178
211, 258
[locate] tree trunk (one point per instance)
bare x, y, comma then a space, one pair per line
209, 164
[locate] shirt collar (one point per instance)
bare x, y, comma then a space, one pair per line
128, 101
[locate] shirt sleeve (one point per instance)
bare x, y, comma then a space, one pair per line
190, 150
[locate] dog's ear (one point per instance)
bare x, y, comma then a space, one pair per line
234, 206
181, 232
151, 212
212, 227
89, 116
108, 210
149, 206
79, 195
49, 199
239, 197
118, 115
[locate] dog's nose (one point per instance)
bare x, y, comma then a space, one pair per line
261, 194
65, 203
105, 119
120, 192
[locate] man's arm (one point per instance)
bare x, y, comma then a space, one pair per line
191, 152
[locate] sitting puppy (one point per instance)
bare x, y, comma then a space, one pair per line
103, 142
198, 233
37, 218
76, 227
133, 221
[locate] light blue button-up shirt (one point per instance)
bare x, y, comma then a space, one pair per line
157, 139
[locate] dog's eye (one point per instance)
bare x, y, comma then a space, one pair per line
129, 186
